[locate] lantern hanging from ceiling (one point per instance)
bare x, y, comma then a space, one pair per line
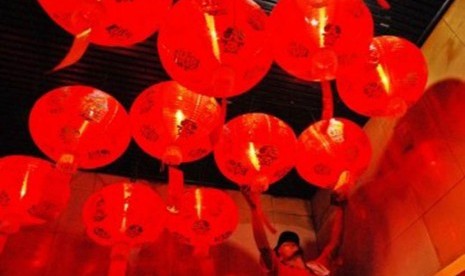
206, 217
32, 191
174, 124
311, 38
328, 148
111, 22
80, 126
388, 80
255, 149
217, 47
124, 215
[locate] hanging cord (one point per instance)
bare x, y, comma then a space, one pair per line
384, 4
327, 101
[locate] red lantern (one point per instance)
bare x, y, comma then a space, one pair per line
123, 215
32, 192
206, 217
311, 38
216, 48
328, 148
173, 124
255, 149
391, 79
80, 125
111, 22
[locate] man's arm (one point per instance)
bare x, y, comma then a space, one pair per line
259, 233
338, 203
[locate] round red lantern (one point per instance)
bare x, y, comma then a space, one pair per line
174, 124
328, 148
391, 78
32, 192
216, 48
123, 215
255, 149
80, 125
206, 217
111, 22
311, 38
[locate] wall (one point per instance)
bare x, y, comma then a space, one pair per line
406, 216
62, 247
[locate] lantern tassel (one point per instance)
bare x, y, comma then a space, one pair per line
202, 251
384, 4
3, 239
207, 266
215, 134
119, 259
77, 50
175, 188
327, 99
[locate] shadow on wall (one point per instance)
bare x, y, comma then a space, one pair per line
416, 169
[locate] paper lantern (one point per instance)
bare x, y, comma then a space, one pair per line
124, 215
111, 22
389, 80
32, 192
80, 125
311, 38
216, 48
255, 149
206, 217
328, 148
174, 124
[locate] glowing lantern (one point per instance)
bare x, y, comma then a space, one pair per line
328, 148
391, 79
173, 124
206, 217
105, 22
80, 126
216, 48
311, 38
32, 192
123, 215
255, 149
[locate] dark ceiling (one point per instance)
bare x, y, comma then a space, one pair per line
31, 44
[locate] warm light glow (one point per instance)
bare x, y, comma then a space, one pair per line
83, 127
384, 78
335, 131
179, 115
321, 138
253, 156
24, 185
322, 19
210, 20
318, 19
313, 22
198, 203
343, 180
127, 193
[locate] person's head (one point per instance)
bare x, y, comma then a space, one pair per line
288, 245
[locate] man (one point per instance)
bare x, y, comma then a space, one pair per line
286, 259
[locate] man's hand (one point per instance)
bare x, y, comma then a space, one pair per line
319, 267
